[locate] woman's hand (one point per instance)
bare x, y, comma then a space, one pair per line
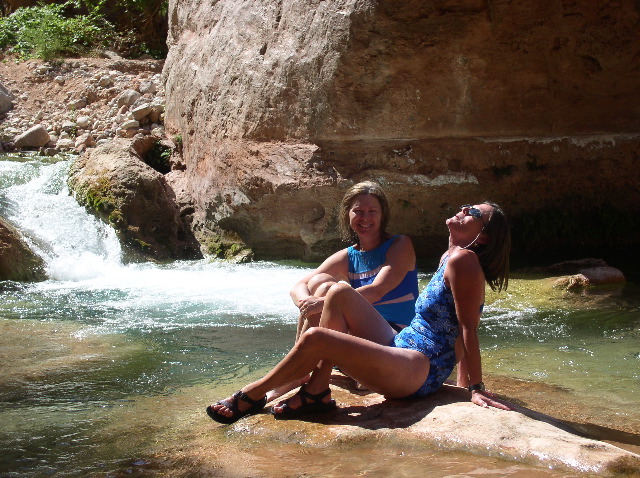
311, 306
487, 399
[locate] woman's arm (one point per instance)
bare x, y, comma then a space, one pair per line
401, 258
335, 266
465, 278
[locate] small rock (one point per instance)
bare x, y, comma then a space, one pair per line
148, 87
77, 104
127, 97
83, 121
6, 98
68, 126
64, 144
129, 124
85, 139
105, 81
60, 80
141, 111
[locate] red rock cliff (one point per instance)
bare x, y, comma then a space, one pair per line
281, 105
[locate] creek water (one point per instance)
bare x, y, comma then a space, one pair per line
106, 367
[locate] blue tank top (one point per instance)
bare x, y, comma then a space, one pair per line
397, 305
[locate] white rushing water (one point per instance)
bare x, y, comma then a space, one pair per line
87, 276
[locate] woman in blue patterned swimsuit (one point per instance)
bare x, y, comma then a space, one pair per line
417, 360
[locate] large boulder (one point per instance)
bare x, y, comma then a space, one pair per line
281, 106
35, 137
17, 261
115, 183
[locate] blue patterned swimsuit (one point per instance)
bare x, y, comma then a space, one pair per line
433, 331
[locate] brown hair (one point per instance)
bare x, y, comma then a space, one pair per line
366, 187
494, 254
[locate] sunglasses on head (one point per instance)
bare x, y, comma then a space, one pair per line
474, 212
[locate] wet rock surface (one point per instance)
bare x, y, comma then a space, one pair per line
116, 183
17, 261
447, 420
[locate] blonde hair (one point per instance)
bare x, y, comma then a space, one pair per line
366, 187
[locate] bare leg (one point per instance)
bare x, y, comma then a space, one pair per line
348, 312
391, 371
319, 285
394, 372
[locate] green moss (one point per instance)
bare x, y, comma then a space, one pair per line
178, 141
142, 245
216, 246
99, 197
213, 247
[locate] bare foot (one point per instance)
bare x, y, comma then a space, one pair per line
280, 391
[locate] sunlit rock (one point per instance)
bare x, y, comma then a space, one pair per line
283, 106
114, 181
35, 137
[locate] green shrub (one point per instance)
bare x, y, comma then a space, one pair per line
158, 157
45, 32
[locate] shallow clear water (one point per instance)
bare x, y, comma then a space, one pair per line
100, 361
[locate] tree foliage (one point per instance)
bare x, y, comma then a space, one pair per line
47, 30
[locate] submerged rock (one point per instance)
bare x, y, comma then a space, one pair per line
581, 273
593, 276
17, 261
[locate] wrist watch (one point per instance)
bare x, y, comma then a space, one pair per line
477, 387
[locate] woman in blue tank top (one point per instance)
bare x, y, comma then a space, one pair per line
378, 266
413, 362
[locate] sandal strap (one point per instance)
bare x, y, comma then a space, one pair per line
315, 397
246, 398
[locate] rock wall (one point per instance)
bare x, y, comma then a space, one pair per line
281, 105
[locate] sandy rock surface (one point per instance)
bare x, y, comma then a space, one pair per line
447, 420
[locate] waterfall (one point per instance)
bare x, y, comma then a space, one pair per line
83, 259
74, 244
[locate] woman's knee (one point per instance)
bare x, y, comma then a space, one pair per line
314, 337
340, 290
320, 283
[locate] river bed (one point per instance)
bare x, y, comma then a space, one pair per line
107, 367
